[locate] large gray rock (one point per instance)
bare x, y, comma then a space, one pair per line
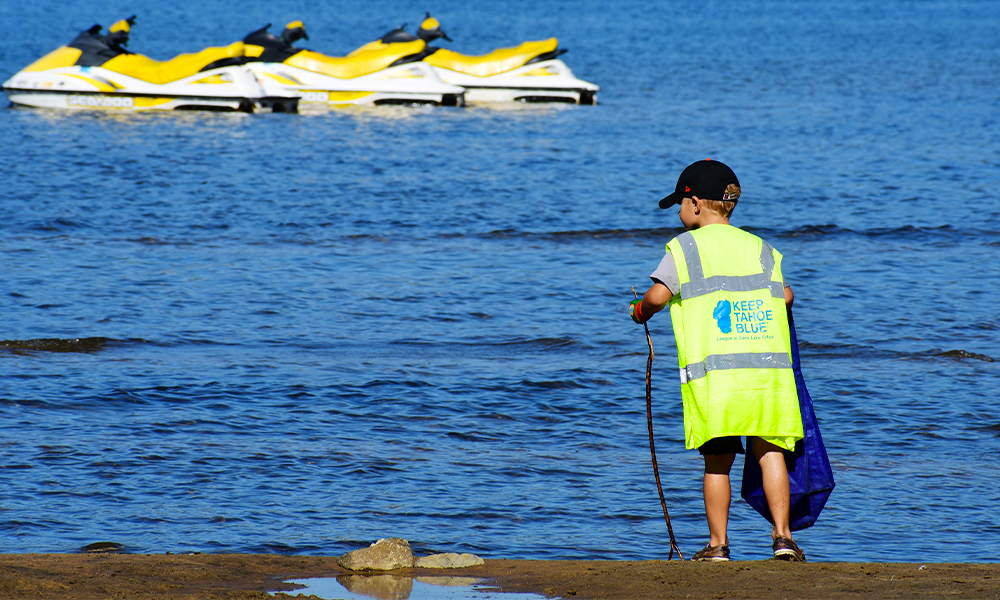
449, 560
383, 555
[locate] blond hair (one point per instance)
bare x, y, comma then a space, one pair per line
724, 208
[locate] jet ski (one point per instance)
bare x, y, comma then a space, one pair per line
389, 74
530, 72
95, 71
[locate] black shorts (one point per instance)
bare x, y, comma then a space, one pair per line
723, 445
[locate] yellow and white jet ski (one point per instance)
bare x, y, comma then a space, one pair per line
96, 72
530, 72
389, 74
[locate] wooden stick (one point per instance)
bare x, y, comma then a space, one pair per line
652, 446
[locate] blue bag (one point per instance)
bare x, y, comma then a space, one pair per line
809, 473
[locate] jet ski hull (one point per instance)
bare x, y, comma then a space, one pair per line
544, 81
231, 88
409, 83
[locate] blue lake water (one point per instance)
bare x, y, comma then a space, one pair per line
321, 330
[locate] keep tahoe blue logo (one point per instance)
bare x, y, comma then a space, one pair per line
721, 314
746, 317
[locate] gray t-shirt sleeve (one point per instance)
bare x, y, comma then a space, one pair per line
666, 273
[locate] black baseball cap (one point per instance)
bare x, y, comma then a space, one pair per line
707, 179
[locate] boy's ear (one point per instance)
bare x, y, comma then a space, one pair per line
695, 200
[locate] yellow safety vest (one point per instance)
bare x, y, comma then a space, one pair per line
733, 344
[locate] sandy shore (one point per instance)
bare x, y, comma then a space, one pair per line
238, 576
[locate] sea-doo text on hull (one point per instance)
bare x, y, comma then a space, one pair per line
391, 74
96, 72
530, 72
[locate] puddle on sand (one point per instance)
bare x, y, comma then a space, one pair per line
394, 587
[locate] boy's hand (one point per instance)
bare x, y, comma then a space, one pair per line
633, 311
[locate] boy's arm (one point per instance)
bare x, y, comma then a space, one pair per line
664, 279
653, 301
789, 296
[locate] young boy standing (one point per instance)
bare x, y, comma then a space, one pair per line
728, 303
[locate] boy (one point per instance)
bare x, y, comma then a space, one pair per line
727, 304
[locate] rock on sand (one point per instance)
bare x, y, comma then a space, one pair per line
383, 555
449, 560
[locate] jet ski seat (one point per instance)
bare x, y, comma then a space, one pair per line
376, 45
179, 67
498, 61
357, 64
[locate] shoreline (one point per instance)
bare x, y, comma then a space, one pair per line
254, 576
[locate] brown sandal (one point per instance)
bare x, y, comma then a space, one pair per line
711, 553
786, 549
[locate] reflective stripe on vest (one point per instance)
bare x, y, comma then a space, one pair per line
699, 285
746, 360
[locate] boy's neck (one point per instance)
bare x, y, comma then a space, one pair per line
707, 218
694, 214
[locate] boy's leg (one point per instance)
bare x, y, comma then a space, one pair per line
718, 495
775, 475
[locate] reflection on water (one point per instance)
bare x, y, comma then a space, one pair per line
56, 117
363, 113
396, 587
383, 587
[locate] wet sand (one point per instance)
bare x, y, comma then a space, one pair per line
240, 576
